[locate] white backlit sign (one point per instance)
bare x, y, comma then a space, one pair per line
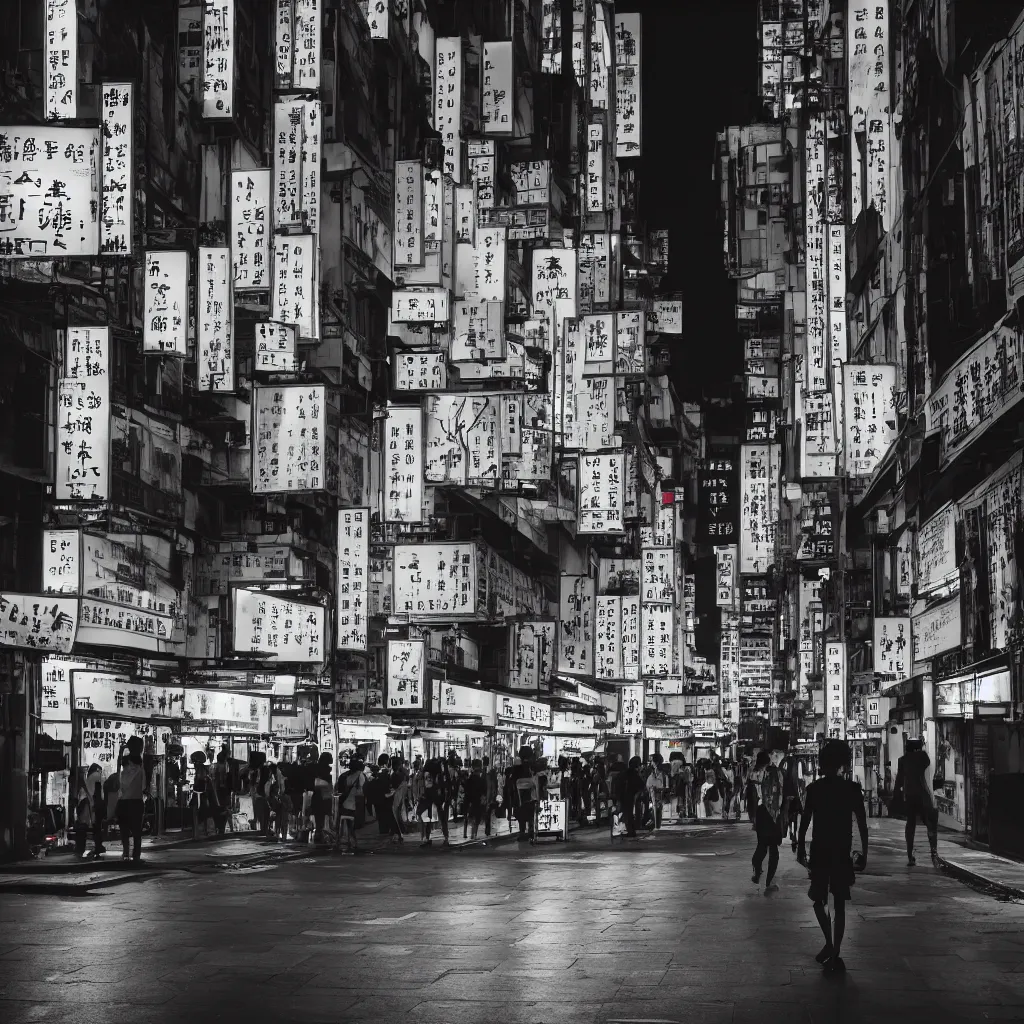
601, 483
62, 561
218, 81
835, 691
448, 102
438, 579
353, 578
60, 59
658, 630
37, 622
83, 417
117, 211
403, 470
408, 234
627, 85
50, 184
759, 505
607, 638
407, 662
870, 415
290, 439
576, 625
275, 347
294, 298
272, 625
165, 327
216, 357
892, 648
250, 237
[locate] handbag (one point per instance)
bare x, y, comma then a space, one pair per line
939, 779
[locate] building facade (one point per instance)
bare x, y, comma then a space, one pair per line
336, 407
873, 210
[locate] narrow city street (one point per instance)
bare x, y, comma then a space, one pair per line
666, 928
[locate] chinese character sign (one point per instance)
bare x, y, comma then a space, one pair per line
601, 493
353, 578
165, 327
271, 625
294, 298
725, 576
607, 638
408, 235
627, 85
218, 81
498, 85
420, 371
448, 102
38, 623
275, 347
306, 46
437, 580
406, 669
892, 648
290, 438
403, 464
631, 710
117, 210
576, 625
835, 690
658, 630
216, 359
554, 287
250, 239
717, 484
61, 59
667, 316
62, 560
551, 37
759, 505
289, 126
378, 18
107, 694
83, 417
49, 192
284, 41
870, 397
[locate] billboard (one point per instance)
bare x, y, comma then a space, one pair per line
117, 211
83, 417
289, 438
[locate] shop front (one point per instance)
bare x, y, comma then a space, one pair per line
520, 723
462, 721
109, 708
967, 707
573, 734
366, 738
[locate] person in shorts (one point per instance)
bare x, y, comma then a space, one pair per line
349, 788
434, 797
832, 802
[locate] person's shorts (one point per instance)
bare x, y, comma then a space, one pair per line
428, 803
831, 872
768, 829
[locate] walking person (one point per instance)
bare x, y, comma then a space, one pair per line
832, 802
89, 813
525, 793
131, 797
491, 777
767, 820
475, 788
320, 801
918, 800
433, 798
349, 788
790, 799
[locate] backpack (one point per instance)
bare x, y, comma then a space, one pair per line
527, 789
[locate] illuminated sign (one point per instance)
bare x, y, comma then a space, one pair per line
250, 239
271, 625
218, 81
353, 576
290, 439
60, 59
601, 493
117, 209
165, 327
216, 357
50, 183
83, 417
403, 470
439, 579
627, 85
37, 622
407, 662
448, 102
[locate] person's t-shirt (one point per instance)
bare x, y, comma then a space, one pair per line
349, 787
434, 778
293, 780
832, 802
915, 765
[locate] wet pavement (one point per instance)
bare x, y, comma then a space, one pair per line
667, 928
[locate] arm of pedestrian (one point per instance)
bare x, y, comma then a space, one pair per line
805, 820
